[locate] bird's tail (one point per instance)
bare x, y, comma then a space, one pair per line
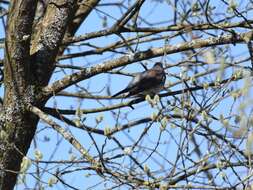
120, 92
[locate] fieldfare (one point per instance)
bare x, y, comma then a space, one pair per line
148, 82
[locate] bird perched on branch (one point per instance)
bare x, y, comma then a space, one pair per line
148, 82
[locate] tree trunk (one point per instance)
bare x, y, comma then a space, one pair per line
19, 125
26, 71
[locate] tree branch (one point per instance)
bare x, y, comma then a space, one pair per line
48, 37
125, 60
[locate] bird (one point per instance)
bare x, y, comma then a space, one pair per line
149, 82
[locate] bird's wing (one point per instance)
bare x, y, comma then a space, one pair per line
145, 80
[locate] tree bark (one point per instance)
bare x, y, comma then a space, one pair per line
30, 54
21, 84
19, 125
